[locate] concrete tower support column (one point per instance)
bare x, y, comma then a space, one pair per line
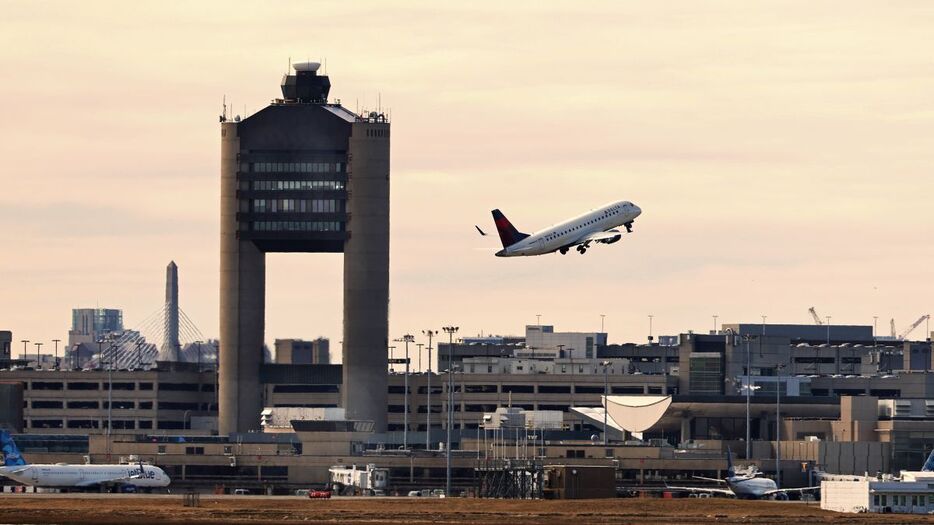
366, 275
242, 305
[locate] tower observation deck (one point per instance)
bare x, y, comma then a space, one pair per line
304, 175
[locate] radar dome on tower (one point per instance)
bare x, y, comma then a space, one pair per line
306, 66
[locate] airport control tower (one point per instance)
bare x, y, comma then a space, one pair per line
304, 175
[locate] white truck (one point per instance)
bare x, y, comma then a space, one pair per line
369, 480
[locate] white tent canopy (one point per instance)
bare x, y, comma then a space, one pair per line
636, 413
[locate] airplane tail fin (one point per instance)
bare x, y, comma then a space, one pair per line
730, 471
11, 455
507, 232
929, 464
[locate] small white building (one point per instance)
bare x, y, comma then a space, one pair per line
875, 495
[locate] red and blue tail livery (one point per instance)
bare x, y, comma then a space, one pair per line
507, 232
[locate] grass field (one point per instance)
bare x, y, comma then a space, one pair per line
134, 509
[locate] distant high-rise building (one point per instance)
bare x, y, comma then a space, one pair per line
301, 352
6, 340
89, 325
304, 175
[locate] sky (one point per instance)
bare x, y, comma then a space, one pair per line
781, 153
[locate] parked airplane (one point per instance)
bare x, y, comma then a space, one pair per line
747, 485
595, 226
63, 475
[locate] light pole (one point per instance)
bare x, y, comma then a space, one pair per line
56, 341
650, 327
715, 324
430, 334
139, 354
25, 355
571, 357
392, 366
450, 330
606, 402
778, 427
748, 392
602, 319
763, 323
110, 392
407, 338
420, 345
38, 357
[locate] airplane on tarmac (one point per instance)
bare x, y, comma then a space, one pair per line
63, 475
595, 226
747, 485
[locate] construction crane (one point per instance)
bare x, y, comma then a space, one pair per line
914, 325
815, 316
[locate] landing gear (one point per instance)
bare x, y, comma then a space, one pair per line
628, 226
582, 249
563, 251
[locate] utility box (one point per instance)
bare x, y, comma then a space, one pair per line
579, 482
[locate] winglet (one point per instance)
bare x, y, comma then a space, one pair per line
479, 230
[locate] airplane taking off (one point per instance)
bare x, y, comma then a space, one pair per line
595, 226
748, 485
62, 475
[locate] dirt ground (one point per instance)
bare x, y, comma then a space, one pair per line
113, 509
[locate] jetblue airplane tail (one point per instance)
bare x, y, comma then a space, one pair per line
11, 455
929, 464
730, 471
507, 232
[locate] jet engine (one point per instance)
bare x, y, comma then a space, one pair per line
611, 240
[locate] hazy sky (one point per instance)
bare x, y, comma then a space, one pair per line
781, 153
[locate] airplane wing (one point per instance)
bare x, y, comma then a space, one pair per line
703, 490
119, 479
786, 491
605, 237
702, 478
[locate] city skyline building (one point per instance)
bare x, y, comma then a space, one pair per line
89, 325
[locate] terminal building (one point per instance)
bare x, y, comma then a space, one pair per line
845, 408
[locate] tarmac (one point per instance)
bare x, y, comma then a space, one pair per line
144, 509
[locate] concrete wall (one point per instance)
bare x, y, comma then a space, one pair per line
366, 275
242, 304
845, 496
11, 406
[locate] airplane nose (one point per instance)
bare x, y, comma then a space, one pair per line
637, 209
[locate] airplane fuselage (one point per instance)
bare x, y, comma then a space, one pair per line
78, 476
575, 231
751, 487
